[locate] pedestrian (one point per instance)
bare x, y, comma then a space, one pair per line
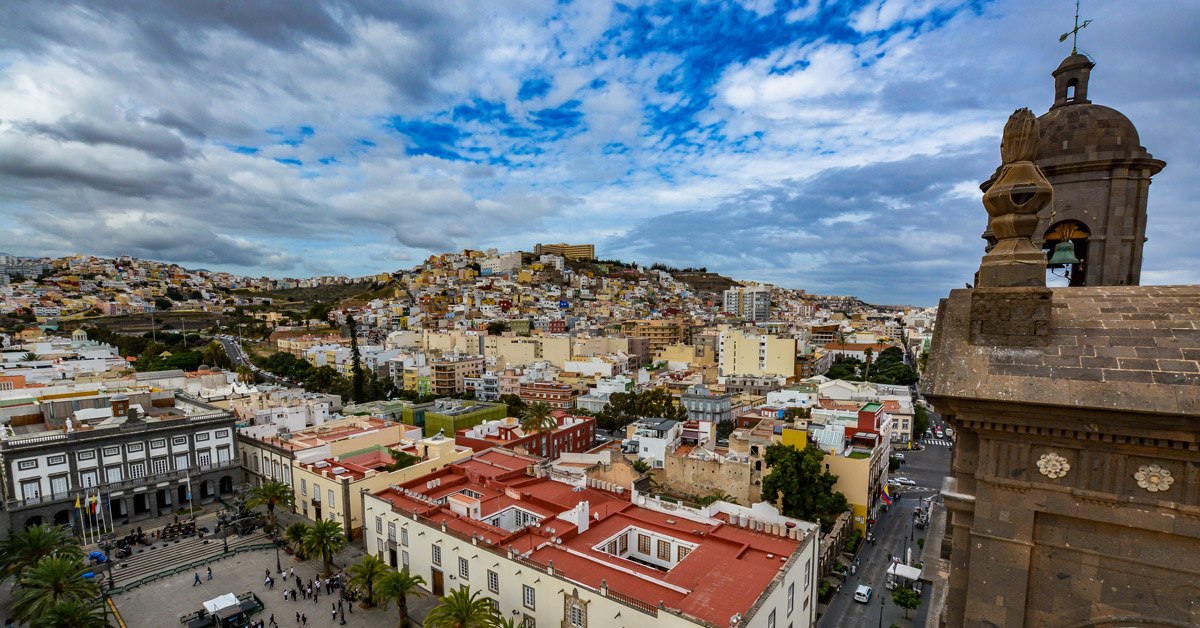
209, 573
303, 620
197, 579
292, 572
297, 617
285, 595
272, 622
293, 594
333, 612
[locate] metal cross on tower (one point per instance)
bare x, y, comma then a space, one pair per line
1074, 33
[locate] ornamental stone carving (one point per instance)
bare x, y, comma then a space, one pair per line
1053, 465
1153, 478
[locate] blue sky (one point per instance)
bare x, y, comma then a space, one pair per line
830, 146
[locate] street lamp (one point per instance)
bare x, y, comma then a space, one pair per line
278, 566
225, 537
881, 599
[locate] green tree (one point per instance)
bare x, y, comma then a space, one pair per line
294, 535
324, 538
26, 547
798, 477
73, 614
398, 585
716, 496
460, 608
867, 369
214, 355
537, 419
516, 405
366, 574
356, 359
625, 408
271, 494
30, 357
401, 460
920, 420
52, 580
907, 599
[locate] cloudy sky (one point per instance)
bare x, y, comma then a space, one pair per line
831, 146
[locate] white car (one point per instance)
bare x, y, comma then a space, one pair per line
862, 594
899, 457
904, 482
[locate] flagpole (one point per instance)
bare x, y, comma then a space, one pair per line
86, 520
79, 516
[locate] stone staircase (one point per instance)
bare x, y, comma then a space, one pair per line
169, 557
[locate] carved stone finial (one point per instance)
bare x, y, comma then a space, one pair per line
1013, 203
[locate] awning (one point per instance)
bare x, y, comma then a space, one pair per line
217, 603
904, 571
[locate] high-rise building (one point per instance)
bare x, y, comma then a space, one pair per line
569, 251
752, 303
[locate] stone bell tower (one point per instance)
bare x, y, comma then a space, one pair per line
1092, 156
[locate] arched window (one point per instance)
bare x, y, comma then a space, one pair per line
1071, 84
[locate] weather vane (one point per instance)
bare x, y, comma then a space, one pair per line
1074, 33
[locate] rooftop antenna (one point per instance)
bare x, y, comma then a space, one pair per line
1074, 33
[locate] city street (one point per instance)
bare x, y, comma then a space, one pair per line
894, 534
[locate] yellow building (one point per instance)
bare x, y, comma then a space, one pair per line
330, 487
569, 251
754, 355
693, 355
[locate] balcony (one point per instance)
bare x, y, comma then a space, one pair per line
109, 487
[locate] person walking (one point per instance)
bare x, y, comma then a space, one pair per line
297, 617
285, 595
333, 612
292, 572
209, 573
196, 581
303, 620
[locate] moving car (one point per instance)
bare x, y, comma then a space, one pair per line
899, 457
862, 594
904, 482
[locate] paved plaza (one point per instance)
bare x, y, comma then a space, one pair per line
163, 602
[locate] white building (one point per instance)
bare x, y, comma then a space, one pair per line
548, 553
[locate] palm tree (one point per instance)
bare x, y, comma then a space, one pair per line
73, 615
26, 547
366, 573
841, 336
398, 585
294, 535
463, 609
537, 419
324, 538
245, 374
30, 357
52, 580
271, 494
867, 373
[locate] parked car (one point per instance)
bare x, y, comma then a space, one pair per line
904, 482
862, 594
899, 457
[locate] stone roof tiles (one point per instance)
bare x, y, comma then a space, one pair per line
1134, 348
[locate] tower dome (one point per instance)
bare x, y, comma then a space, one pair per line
1093, 157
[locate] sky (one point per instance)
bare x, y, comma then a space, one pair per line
835, 147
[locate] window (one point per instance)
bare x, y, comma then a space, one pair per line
682, 552
182, 462
379, 546
404, 558
664, 550
113, 474
304, 507
379, 524
134, 447
575, 615
464, 568
89, 478
391, 531
331, 498
437, 554
527, 621
26, 465
30, 489
201, 436
223, 434
53, 460
807, 573
204, 458
644, 544
87, 455
179, 440
304, 487
404, 537
493, 581
158, 443
112, 451
623, 545
160, 466
527, 596
137, 470
771, 619
58, 485
316, 492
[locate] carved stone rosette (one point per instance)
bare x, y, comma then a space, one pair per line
1053, 465
1153, 478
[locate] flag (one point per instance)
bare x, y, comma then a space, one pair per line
887, 499
92, 505
77, 504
